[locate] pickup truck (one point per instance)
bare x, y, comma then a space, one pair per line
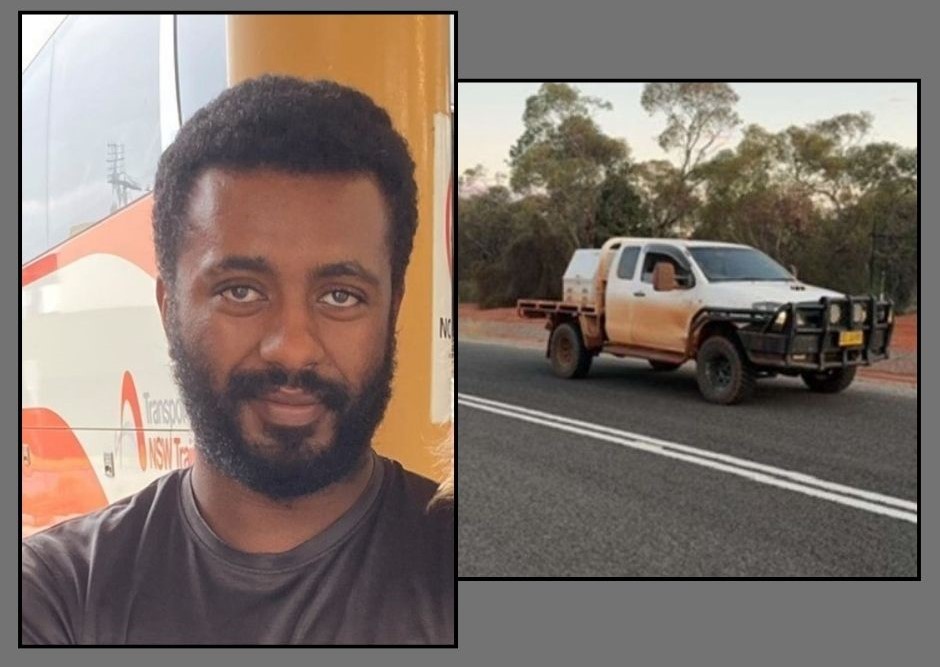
738, 313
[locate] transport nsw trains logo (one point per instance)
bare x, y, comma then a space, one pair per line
156, 437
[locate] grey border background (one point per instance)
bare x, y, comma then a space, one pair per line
638, 622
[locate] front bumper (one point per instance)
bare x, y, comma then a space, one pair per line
810, 340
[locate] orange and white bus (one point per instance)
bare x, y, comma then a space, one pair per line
101, 416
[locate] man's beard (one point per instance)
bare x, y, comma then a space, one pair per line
297, 466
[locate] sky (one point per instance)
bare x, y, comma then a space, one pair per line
489, 115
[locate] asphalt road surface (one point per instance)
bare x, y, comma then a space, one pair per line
629, 473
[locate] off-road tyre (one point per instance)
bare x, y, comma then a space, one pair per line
570, 358
723, 372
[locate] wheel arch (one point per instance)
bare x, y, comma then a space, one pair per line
705, 326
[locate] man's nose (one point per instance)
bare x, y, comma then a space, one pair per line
292, 341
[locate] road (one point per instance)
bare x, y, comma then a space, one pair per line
629, 473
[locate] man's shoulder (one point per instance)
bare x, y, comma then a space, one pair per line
424, 528
412, 496
74, 542
60, 563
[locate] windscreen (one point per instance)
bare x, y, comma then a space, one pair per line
721, 264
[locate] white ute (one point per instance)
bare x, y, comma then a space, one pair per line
739, 314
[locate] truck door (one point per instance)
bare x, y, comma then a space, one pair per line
621, 281
660, 320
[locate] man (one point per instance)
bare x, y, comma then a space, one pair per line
284, 217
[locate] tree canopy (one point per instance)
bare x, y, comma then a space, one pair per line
820, 197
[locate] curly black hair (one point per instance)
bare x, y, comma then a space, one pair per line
295, 126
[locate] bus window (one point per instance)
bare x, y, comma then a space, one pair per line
35, 112
200, 59
104, 129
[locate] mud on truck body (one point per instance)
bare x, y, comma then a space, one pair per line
731, 308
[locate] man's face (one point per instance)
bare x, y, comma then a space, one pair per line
281, 325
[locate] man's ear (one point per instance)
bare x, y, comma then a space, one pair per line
163, 301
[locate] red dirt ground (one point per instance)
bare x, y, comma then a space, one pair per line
503, 323
905, 333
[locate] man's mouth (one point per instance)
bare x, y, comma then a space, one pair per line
289, 407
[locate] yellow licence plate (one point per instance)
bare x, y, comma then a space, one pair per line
850, 338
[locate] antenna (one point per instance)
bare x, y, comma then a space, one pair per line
118, 178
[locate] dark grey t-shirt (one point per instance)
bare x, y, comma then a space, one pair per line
149, 570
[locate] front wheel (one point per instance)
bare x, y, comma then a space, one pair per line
724, 375
570, 358
831, 381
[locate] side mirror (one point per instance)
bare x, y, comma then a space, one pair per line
664, 277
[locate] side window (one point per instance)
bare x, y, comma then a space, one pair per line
627, 266
35, 115
683, 276
104, 123
200, 60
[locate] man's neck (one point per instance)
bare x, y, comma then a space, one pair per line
253, 523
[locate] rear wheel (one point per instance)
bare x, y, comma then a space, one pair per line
663, 365
831, 381
570, 359
724, 375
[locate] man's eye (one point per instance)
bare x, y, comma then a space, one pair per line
340, 298
241, 294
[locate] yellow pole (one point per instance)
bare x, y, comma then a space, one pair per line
402, 62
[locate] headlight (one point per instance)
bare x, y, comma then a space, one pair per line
781, 319
859, 313
835, 313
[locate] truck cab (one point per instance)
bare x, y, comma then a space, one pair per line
641, 315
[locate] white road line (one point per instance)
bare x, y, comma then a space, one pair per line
695, 451
758, 472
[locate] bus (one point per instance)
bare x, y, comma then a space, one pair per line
100, 414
